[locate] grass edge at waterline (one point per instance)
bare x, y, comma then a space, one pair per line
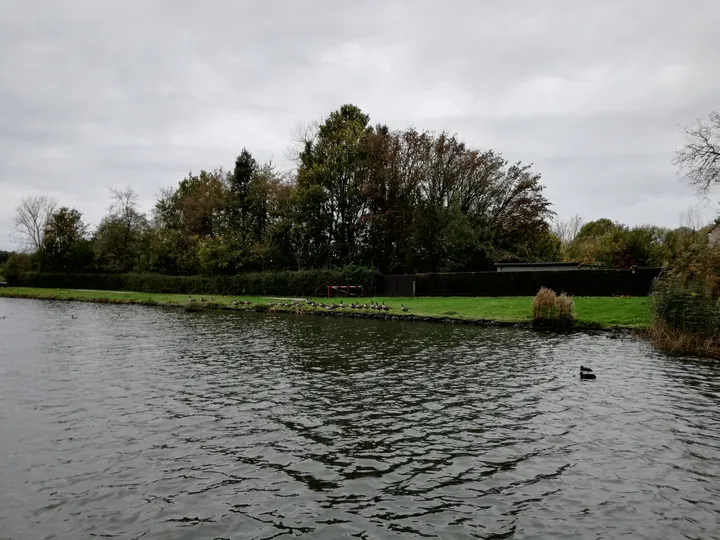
676, 342
596, 313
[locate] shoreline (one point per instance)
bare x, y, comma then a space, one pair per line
172, 301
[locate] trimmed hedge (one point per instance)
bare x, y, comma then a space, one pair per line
315, 282
571, 282
299, 283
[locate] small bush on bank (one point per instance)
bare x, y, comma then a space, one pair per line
686, 305
552, 311
543, 306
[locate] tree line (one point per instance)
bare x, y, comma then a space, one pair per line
399, 201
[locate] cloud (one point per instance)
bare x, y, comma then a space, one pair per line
107, 94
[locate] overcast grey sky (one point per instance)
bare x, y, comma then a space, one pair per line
99, 94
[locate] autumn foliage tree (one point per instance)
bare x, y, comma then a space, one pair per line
433, 204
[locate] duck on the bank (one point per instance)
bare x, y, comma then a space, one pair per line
583, 368
584, 375
402, 306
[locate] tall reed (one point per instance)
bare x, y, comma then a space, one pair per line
686, 305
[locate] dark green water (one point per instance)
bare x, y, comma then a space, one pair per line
134, 422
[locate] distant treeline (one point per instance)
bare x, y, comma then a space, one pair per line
398, 201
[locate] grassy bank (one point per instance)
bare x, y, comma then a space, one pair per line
592, 312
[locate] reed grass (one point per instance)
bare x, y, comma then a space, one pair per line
553, 311
686, 305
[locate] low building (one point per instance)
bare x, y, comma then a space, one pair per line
540, 267
713, 235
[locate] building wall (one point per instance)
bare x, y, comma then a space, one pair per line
714, 236
535, 268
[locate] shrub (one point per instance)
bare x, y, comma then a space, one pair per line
552, 311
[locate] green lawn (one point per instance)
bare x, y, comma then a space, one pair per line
590, 311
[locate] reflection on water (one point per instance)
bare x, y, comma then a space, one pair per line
131, 421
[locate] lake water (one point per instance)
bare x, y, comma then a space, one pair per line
129, 422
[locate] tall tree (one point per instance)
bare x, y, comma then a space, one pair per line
186, 218
239, 181
31, 219
120, 234
389, 185
433, 203
197, 206
280, 251
328, 182
66, 247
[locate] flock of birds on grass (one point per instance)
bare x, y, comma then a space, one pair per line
307, 301
330, 307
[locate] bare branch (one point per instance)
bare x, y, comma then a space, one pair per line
692, 218
699, 159
303, 133
31, 219
567, 230
125, 204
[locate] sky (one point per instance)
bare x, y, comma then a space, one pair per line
99, 95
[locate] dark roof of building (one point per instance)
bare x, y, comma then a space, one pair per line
540, 264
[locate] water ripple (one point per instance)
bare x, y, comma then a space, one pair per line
133, 422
